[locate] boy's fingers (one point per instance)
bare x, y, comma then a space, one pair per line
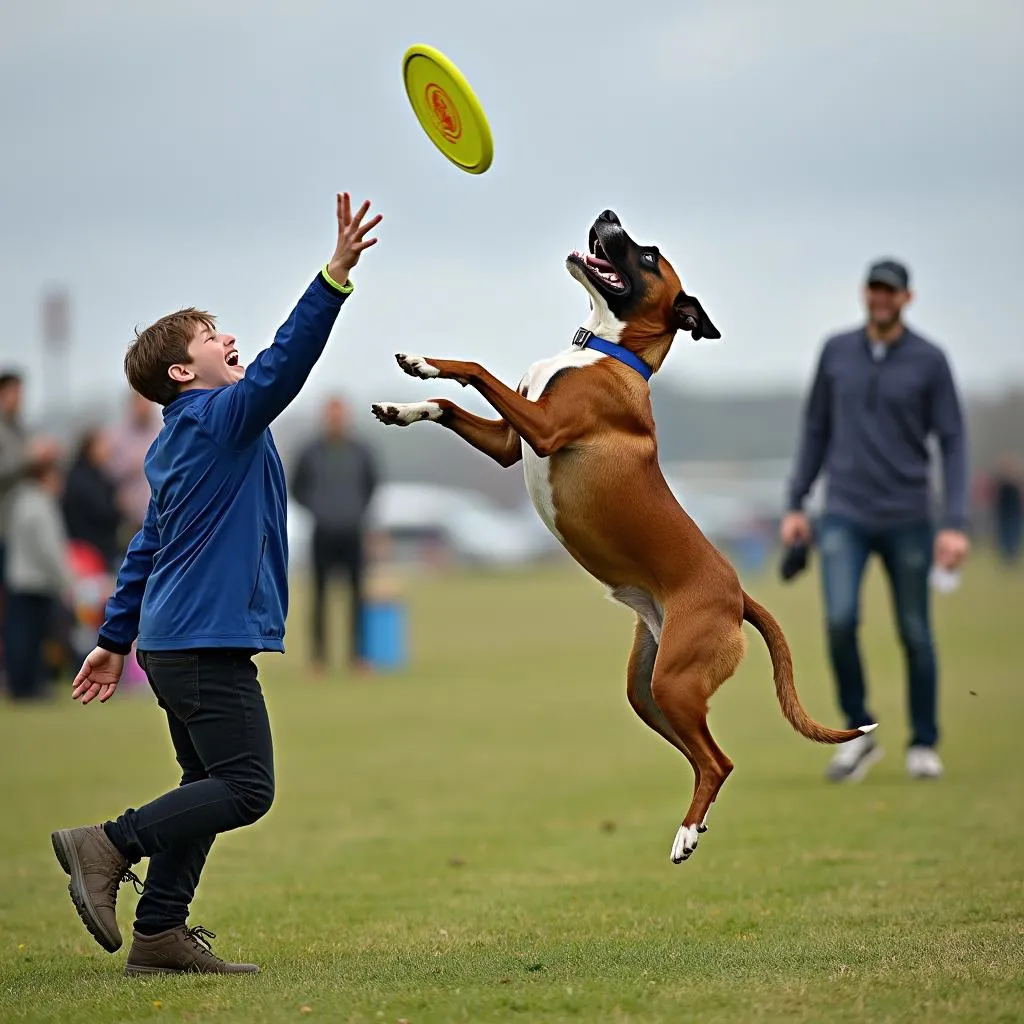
353, 223
346, 209
107, 692
368, 226
360, 246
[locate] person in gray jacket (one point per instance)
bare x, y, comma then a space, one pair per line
334, 480
37, 574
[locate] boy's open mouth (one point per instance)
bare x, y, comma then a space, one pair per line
231, 358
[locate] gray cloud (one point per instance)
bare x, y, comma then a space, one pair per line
160, 155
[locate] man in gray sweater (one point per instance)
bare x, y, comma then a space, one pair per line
879, 393
334, 480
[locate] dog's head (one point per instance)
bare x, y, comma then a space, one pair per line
635, 295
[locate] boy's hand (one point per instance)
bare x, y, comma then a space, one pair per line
352, 238
98, 676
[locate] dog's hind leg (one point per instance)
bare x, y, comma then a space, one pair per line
638, 689
688, 669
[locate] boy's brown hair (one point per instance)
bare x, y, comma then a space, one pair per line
157, 348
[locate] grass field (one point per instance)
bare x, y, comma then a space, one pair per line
486, 836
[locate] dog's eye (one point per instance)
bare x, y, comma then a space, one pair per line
651, 258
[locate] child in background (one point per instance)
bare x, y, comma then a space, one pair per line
37, 575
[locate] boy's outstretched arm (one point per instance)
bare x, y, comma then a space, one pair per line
238, 414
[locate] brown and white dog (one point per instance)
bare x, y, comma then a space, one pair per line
582, 424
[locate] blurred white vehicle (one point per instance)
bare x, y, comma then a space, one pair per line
417, 517
719, 516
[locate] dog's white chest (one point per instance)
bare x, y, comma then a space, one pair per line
536, 470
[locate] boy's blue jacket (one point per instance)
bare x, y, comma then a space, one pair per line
209, 568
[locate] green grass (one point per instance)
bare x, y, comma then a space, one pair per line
486, 836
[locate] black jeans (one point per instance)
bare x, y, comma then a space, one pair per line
26, 624
906, 553
221, 736
331, 551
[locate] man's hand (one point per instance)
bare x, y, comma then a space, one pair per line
352, 238
795, 529
98, 676
951, 547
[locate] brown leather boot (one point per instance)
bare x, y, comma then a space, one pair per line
96, 868
179, 950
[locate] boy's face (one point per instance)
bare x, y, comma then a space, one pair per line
214, 361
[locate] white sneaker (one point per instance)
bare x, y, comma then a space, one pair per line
923, 763
853, 759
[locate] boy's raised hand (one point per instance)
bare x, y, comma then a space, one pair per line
98, 676
352, 238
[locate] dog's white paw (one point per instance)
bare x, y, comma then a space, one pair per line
417, 366
401, 415
685, 843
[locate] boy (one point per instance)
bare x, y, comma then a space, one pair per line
202, 589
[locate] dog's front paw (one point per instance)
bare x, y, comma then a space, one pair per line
401, 415
417, 366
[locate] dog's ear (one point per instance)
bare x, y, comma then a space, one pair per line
690, 316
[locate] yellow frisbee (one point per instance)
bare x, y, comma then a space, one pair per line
447, 108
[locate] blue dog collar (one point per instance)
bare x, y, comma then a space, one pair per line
587, 339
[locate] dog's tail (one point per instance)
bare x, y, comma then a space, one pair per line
782, 664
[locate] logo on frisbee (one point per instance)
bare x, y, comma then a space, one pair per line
443, 113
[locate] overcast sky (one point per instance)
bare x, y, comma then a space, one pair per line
160, 155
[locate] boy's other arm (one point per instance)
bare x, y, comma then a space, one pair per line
121, 625
238, 414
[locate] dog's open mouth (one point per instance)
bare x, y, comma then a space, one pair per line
597, 265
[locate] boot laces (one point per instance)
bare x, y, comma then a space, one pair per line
128, 876
200, 937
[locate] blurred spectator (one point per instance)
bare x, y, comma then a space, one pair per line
17, 454
91, 510
13, 446
37, 575
879, 393
129, 442
1008, 508
334, 479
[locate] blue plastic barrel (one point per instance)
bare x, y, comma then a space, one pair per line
384, 634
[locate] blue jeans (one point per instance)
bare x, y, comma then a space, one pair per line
906, 553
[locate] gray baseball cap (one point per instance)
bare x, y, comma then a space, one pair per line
889, 273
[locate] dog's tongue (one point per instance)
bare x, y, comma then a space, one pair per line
599, 264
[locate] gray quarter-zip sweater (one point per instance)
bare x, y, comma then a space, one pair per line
335, 479
867, 422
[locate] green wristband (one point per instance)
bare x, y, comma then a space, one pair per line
343, 288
